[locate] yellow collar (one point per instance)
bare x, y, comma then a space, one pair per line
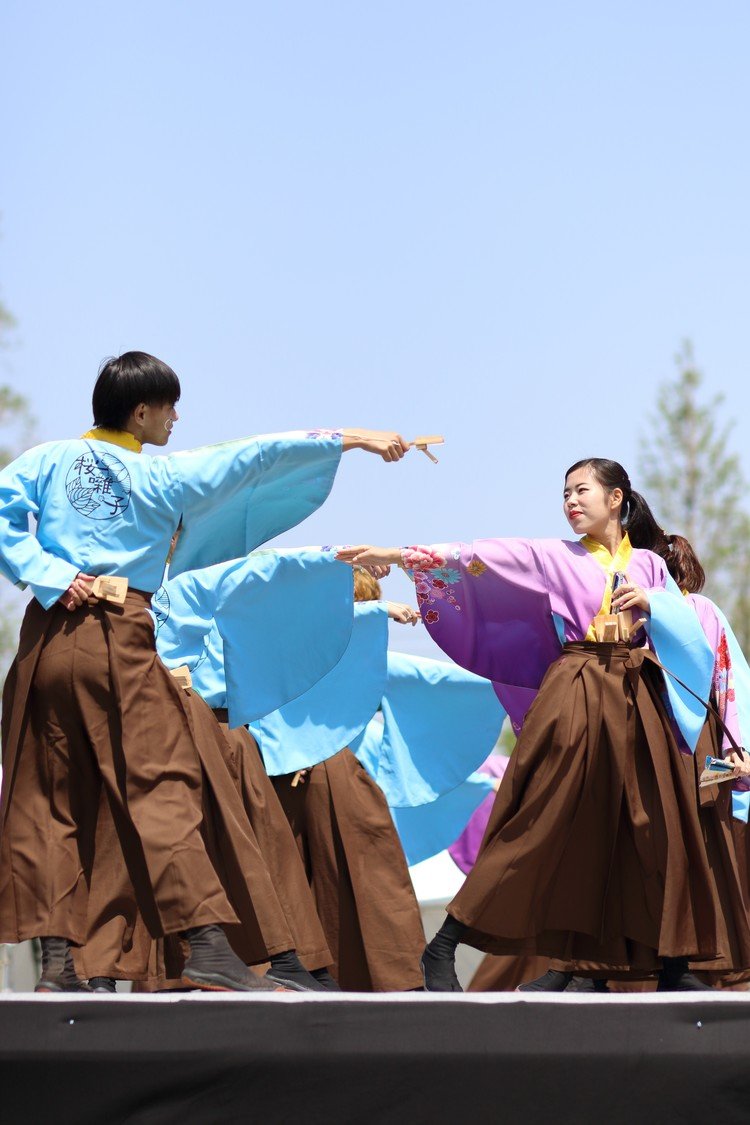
609, 564
114, 437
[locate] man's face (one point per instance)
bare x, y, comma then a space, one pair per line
157, 421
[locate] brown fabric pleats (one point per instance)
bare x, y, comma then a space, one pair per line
278, 848
89, 704
358, 874
594, 851
741, 840
119, 944
733, 930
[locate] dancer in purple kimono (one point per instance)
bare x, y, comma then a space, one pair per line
594, 850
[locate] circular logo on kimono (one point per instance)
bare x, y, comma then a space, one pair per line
98, 485
160, 607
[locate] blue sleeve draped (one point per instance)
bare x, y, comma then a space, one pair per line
328, 717
240, 494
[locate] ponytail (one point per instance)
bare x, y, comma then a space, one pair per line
682, 563
640, 523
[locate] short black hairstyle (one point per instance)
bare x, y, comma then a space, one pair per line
127, 380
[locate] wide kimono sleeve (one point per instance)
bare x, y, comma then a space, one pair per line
439, 724
23, 560
240, 494
331, 714
425, 830
487, 604
258, 632
684, 652
722, 684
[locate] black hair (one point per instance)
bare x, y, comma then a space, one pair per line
636, 516
127, 380
682, 563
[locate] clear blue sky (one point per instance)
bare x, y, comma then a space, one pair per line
491, 220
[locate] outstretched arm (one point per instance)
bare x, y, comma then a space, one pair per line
370, 556
390, 445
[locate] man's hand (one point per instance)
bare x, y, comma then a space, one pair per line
390, 445
78, 592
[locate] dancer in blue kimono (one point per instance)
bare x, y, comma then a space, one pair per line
87, 702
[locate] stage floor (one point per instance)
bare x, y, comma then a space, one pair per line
350, 1059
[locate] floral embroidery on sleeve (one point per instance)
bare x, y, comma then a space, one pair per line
432, 590
324, 433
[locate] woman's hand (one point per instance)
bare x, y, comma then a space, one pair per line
630, 596
370, 556
405, 614
78, 592
740, 764
390, 445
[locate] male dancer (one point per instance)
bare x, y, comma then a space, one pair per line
87, 702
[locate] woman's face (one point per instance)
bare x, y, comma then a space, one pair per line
587, 505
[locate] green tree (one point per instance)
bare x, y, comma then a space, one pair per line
695, 484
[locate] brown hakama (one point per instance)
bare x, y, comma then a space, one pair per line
277, 845
119, 943
358, 874
728, 863
89, 706
594, 851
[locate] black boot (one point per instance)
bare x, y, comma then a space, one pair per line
287, 969
439, 958
587, 984
675, 976
214, 966
103, 984
553, 981
324, 977
58, 970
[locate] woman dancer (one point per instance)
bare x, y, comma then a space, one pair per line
594, 850
724, 835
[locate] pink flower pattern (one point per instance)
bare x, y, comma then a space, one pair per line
431, 591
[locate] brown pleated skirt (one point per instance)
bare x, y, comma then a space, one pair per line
119, 943
356, 868
594, 851
724, 838
725, 842
88, 705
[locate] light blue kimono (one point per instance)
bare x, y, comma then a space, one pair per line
256, 632
324, 720
682, 648
103, 509
428, 829
439, 724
